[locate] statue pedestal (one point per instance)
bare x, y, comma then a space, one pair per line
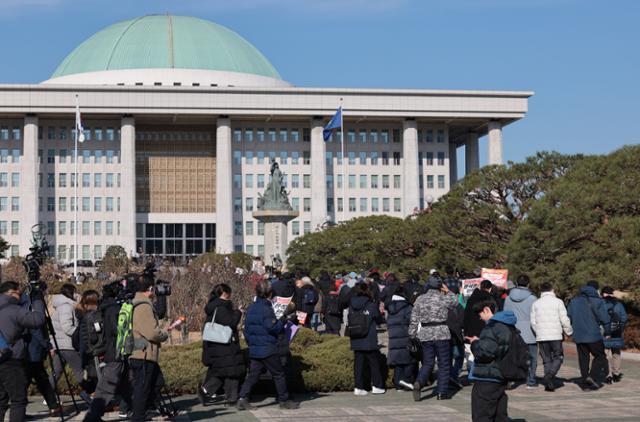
275, 232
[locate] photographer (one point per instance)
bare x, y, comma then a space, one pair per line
115, 372
147, 336
14, 319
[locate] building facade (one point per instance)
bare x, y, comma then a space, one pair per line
181, 119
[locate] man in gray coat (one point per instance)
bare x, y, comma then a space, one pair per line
520, 301
14, 321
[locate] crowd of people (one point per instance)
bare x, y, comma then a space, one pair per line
111, 339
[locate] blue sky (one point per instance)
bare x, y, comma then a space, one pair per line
581, 57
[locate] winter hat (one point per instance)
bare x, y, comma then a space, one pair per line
453, 285
306, 280
431, 271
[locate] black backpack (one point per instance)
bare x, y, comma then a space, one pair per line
358, 323
96, 343
514, 365
333, 305
616, 323
310, 297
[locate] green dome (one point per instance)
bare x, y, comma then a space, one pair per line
166, 42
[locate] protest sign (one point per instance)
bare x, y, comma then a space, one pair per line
496, 276
469, 285
302, 317
280, 305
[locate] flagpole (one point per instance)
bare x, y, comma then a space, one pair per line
344, 180
75, 194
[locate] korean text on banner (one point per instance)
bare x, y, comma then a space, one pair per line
496, 276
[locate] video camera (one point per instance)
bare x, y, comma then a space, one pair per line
162, 288
36, 258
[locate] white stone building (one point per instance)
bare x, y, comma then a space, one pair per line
181, 118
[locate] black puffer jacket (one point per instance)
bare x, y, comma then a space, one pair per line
492, 346
455, 322
226, 360
398, 329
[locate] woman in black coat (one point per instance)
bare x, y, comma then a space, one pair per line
399, 358
225, 361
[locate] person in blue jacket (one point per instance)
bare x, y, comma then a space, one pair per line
261, 330
587, 312
615, 342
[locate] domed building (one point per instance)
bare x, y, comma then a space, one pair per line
181, 119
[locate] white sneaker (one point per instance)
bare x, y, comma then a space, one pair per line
359, 392
376, 390
406, 385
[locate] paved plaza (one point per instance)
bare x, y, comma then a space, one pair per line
617, 402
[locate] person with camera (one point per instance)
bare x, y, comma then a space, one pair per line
429, 325
261, 331
14, 320
224, 361
147, 337
66, 324
115, 371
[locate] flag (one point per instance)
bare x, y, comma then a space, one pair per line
79, 128
336, 122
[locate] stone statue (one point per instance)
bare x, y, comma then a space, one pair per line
275, 196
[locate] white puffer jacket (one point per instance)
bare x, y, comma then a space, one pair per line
549, 318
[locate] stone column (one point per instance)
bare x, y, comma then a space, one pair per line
224, 187
472, 153
318, 174
128, 191
453, 164
29, 215
495, 143
410, 166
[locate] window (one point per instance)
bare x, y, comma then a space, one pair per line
62, 180
86, 180
249, 228
248, 204
429, 136
440, 136
62, 252
295, 203
15, 180
237, 157
86, 203
295, 181
352, 181
362, 135
51, 180
73, 180
329, 180
15, 203
109, 181
110, 155
86, 156
306, 157
396, 158
97, 228
249, 249
385, 158
51, 204
109, 228
339, 184
98, 156
351, 136
374, 205
97, 252
248, 181
352, 158
16, 134
86, 226
363, 181
306, 181
440, 182
306, 203
237, 181
4, 205
340, 205
15, 154
397, 207
4, 181
295, 157
363, 158
237, 204
3, 228
237, 228
295, 135
97, 204
283, 135
385, 205
329, 204
15, 228
295, 228
4, 155
237, 135
329, 158
272, 135
260, 228
429, 158
72, 202
119, 177
363, 204
373, 136
306, 134
4, 133
260, 135
352, 204
272, 155
97, 180
374, 158
260, 157
98, 134
384, 136
396, 181
441, 158
51, 156
51, 228
248, 157
374, 181
385, 181
429, 181
307, 227
86, 252
248, 135
62, 156
260, 181
283, 157
109, 206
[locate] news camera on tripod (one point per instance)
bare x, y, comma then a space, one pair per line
15, 321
